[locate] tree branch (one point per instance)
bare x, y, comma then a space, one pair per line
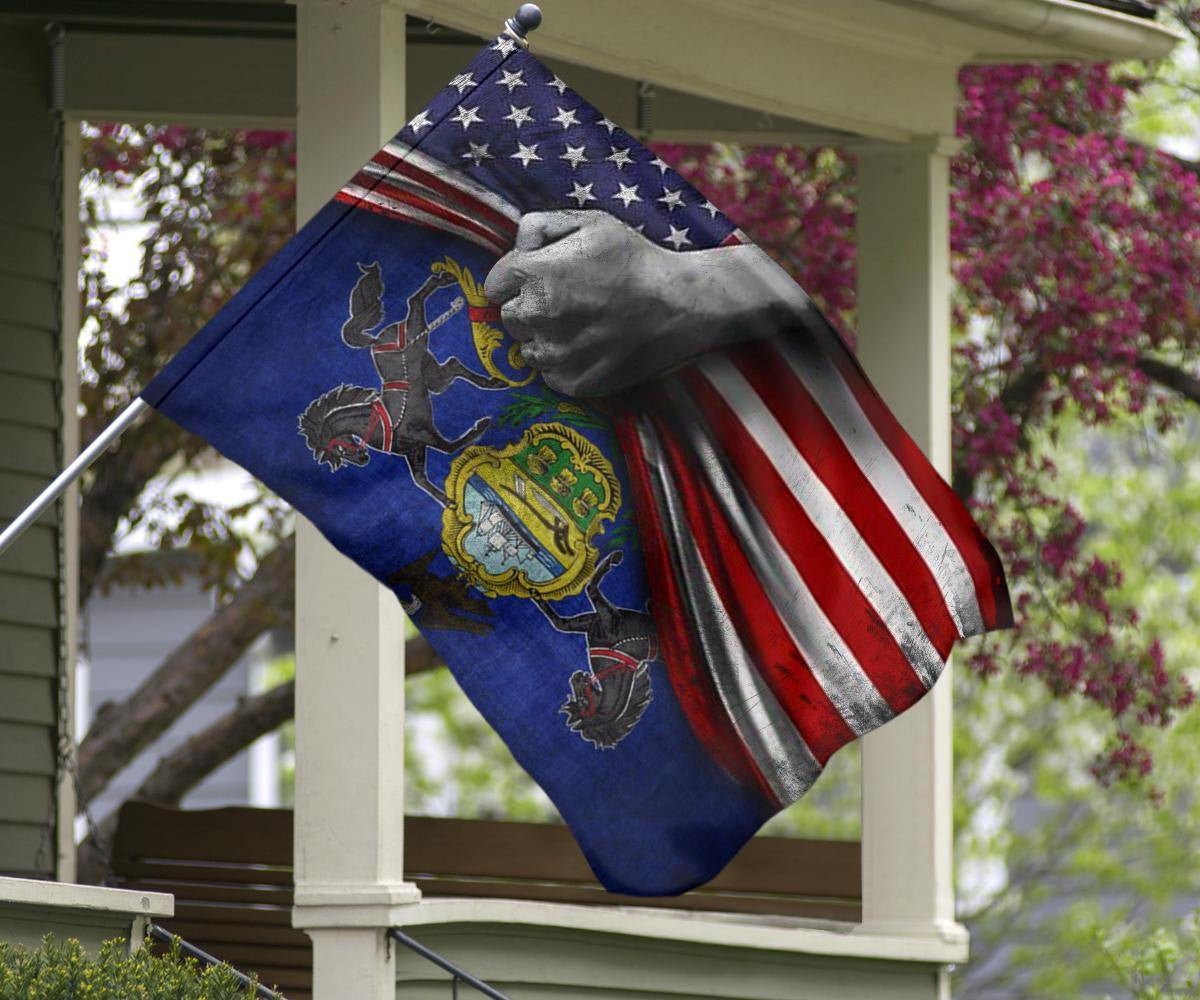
1016, 398
1170, 377
115, 482
121, 731
178, 772
192, 761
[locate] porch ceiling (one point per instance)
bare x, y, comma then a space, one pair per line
808, 71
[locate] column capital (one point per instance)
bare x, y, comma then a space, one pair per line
364, 910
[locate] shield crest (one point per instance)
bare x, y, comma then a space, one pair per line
521, 520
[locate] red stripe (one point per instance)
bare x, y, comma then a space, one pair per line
394, 193
865, 634
758, 625
380, 414
392, 213
468, 201
615, 654
685, 663
981, 559
484, 314
818, 441
403, 215
392, 345
470, 212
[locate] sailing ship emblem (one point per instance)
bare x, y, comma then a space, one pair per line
521, 520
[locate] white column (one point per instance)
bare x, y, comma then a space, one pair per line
904, 344
72, 158
349, 630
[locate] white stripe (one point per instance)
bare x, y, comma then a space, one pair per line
413, 187
762, 725
831, 521
834, 666
452, 176
922, 526
413, 214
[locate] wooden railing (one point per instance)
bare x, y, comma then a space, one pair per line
231, 873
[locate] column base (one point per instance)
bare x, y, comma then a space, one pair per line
949, 931
352, 905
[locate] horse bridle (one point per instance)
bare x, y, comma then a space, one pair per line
379, 418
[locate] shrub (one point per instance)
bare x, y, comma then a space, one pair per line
61, 970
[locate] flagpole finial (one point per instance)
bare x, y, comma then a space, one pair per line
527, 17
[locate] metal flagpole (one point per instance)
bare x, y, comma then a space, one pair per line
527, 17
127, 418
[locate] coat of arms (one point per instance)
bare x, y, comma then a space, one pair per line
520, 520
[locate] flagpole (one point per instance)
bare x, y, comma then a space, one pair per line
527, 17
127, 418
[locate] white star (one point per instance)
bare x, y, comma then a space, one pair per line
466, 117
711, 209
525, 154
626, 194
608, 123
511, 80
478, 153
581, 193
678, 238
662, 165
574, 155
462, 82
672, 199
557, 84
564, 117
505, 46
420, 122
620, 157
518, 116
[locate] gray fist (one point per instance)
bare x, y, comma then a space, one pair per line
593, 303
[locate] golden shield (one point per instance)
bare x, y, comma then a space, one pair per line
521, 519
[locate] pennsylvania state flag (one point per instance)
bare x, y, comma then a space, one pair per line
674, 610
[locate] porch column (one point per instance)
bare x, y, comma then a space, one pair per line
904, 344
349, 845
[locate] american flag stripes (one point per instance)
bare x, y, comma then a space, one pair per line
834, 566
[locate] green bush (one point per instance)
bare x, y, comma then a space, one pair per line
64, 971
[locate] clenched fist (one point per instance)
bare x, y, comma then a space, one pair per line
598, 307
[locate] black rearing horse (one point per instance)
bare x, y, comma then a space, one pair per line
607, 701
348, 422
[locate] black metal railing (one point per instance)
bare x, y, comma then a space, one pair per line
204, 958
457, 974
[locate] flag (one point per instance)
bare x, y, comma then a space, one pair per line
673, 609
